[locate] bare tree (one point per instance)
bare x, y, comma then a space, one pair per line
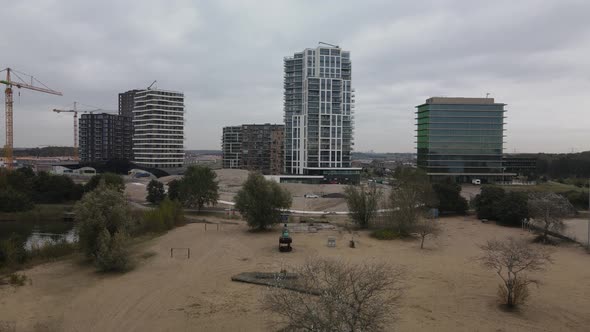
549, 209
425, 227
360, 297
362, 203
512, 259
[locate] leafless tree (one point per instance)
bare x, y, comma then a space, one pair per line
351, 297
425, 227
549, 209
512, 259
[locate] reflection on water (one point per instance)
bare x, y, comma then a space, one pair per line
39, 234
38, 238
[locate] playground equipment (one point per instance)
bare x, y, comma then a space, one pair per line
285, 241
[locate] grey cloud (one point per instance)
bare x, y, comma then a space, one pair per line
226, 56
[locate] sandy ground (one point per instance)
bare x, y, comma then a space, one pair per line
446, 289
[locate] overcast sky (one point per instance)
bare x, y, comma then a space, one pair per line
227, 57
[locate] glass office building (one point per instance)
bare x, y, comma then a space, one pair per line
461, 138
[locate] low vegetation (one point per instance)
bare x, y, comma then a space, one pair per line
385, 234
20, 189
166, 216
509, 209
112, 180
352, 297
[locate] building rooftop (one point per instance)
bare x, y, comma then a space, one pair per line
459, 100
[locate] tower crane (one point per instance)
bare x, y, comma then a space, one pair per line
76, 111
9, 104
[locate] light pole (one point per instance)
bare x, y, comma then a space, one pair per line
588, 214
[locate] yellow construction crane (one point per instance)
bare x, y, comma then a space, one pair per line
9, 104
76, 111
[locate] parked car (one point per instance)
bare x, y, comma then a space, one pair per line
476, 181
311, 196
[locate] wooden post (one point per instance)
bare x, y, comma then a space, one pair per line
205, 226
189, 253
171, 252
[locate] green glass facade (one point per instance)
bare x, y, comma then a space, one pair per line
461, 137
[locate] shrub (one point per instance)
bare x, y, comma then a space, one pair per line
110, 179
53, 250
486, 202
166, 216
12, 250
385, 234
14, 201
112, 252
449, 197
103, 221
17, 279
512, 209
155, 191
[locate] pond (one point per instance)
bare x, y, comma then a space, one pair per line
39, 233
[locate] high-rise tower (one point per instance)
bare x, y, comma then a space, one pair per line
318, 110
158, 129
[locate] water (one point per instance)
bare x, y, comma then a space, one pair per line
39, 233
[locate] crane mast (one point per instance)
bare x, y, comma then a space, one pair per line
9, 130
8, 148
76, 132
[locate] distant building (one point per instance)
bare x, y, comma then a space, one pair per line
254, 147
318, 112
462, 138
158, 129
105, 136
127, 102
521, 166
231, 146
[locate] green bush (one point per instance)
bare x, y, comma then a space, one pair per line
449, 198
155, 191
486, 202
104, 219
579, 199
261, 201
14, 201
512, 209
12, 250
53, 250
166, 216
385, 234
16, 279
112, 252
110, 179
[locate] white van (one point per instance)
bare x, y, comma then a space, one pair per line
476, 181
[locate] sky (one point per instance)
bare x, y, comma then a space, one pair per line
227, 58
